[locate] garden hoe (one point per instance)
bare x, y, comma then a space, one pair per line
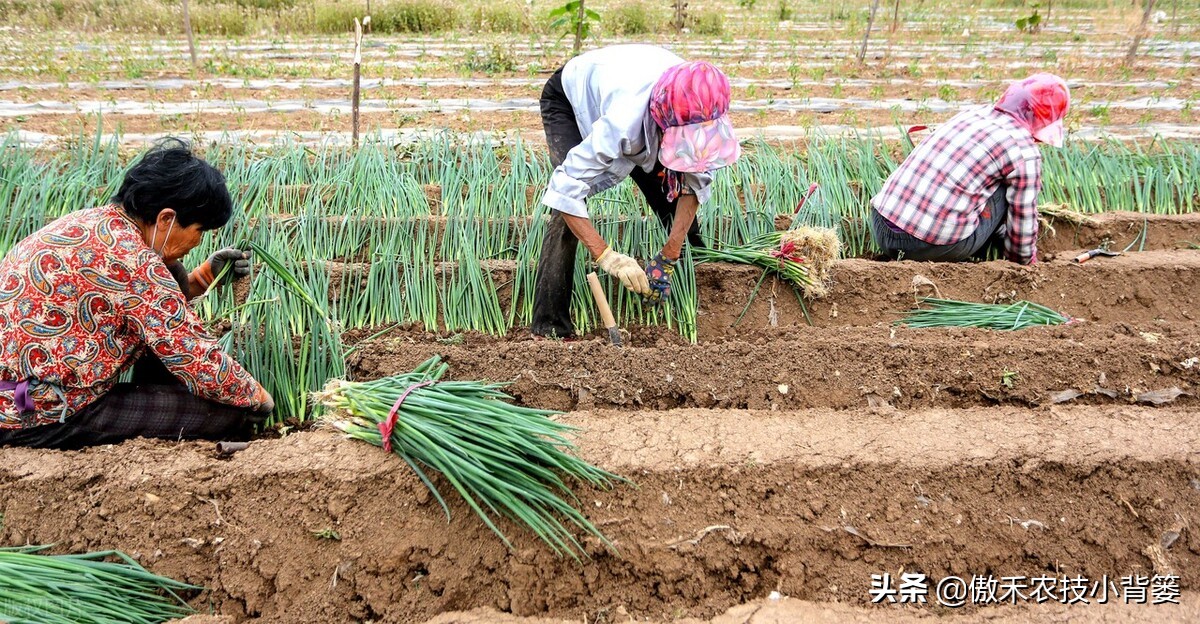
606, 314
1088, 255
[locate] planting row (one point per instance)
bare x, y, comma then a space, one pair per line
1141, 289
831, 45
341, 105
879, 60
729, 507
1061, 232
734, 47
378, 181
842, 368
494, 83
66, 134
1145, 300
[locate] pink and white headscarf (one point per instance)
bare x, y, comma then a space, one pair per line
690, 103
1039, 103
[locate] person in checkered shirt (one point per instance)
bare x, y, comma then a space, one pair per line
975, 181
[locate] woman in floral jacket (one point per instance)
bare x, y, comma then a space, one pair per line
102, 290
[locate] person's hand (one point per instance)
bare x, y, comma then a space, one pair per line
240, 268
658, 273
625, 269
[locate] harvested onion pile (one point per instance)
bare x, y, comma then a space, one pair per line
503, 459
802, 256
80, 589
951, 313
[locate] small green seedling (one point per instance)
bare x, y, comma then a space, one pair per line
328, 533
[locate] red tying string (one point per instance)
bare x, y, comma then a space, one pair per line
786, 251
811, 189
389, 424
917, 129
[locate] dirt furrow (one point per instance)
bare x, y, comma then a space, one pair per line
729, 506
838, 368
784, 610
1143, 288
1120, 230
1151, 291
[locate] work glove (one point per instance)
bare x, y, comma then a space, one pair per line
206, 273
659, 272
625, 269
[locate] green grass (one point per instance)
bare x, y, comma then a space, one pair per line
251, 17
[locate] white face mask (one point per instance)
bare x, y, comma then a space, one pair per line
154, 239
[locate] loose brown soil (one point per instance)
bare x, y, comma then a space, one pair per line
729, 506
1150, 291
1120, 230
788, 611
1141, 289
841, 368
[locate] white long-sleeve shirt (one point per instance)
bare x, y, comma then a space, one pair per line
609, 90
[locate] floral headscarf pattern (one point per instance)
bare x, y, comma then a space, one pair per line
690, 103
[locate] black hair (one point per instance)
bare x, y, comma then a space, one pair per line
171, 176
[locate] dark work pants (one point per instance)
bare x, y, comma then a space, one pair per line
154, 405
556, 266
907, 247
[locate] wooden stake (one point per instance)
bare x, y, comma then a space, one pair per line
187, 28
354, 96
896, 16
862, 52
1141, 32
579, 29
680, 19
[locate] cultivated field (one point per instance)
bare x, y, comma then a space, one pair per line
784, 447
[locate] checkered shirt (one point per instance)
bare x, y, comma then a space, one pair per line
939, 191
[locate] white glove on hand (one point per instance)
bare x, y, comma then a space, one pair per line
625, 269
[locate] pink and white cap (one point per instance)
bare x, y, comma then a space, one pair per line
690, 103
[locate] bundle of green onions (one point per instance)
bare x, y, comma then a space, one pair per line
82, 589
951, 313
504, 460
802, 256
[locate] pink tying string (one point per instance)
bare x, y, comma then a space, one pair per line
389, 424
803, 200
